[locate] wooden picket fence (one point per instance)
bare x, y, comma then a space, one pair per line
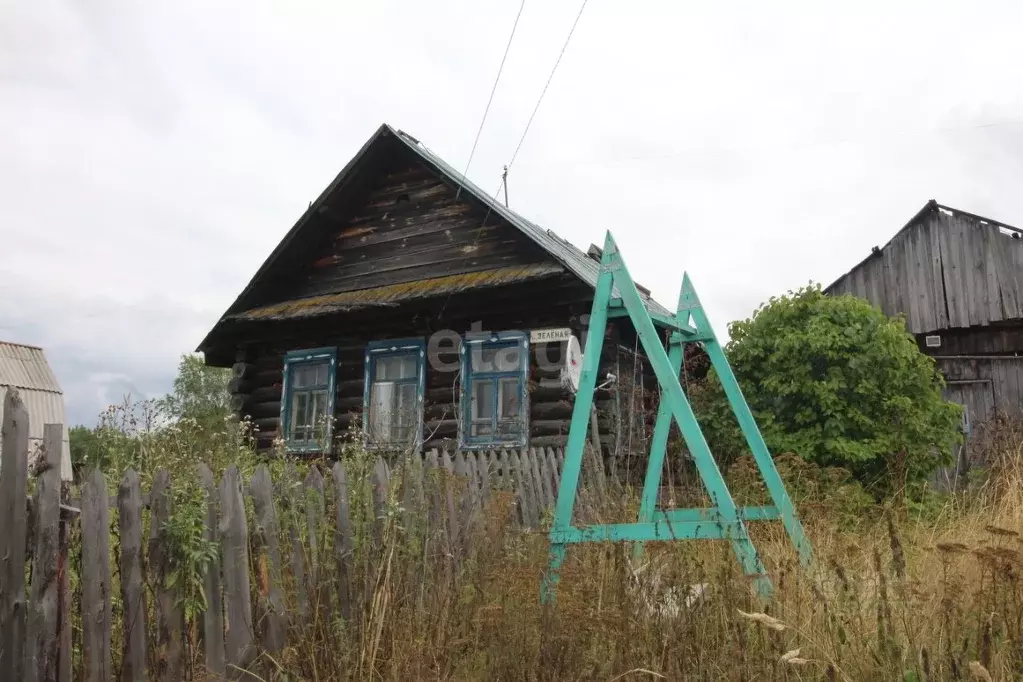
244, 585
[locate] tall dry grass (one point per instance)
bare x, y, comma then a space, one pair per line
894, 595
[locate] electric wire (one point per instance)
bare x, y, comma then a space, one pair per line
490, 101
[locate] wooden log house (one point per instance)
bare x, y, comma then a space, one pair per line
418, 311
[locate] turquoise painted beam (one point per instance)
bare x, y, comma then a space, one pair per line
654, 531
742, 546
748, 425
712, 514
663, 320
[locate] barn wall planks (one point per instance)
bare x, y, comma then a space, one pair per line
944, 270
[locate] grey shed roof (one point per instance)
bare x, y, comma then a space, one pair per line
25, 368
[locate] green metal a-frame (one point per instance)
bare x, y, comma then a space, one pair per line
722, 520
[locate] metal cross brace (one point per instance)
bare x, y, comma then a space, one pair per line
723, 520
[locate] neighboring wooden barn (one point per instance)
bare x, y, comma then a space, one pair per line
411, 305
958, 279
25, 369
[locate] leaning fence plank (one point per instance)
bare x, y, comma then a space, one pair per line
315, 509
170, 651
379, 485
292, 506
13, 529
133, 596
64, 651
213, 616
543, 469
270, 598
450, 504
42, 642
543, 500
96, 609
238, 632
344, 540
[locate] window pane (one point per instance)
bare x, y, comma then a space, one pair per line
321, 374
481, 428
510, 400
509, 428
381, 412
504, 358
482, 399
394, 367
299, 418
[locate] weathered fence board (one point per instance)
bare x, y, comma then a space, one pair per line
13, 522
170, 650
42, 641
270, 613
96, 608
133, 596
344, 540
234, 534
292, 509
213, 616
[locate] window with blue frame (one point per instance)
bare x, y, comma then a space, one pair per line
494, 372
393, 397
307, 403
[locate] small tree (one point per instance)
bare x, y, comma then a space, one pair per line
834, 380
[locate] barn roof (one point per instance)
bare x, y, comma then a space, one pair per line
928, 208
573, 259
25, 368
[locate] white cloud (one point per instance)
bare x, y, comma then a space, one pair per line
155, 154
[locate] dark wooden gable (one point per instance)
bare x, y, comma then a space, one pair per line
396, 221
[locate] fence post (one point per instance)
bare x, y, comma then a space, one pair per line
133, 597
42, 650
269, 596
213, 616
234, 536
96, 609
344, 540
14, 524
170, 659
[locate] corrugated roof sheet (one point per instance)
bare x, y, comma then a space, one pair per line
393, 294
26, 367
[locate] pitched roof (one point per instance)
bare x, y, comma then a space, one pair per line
928, 208
565, 253
25, 367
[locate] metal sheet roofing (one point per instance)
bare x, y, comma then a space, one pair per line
25, 369
578, 262
393, 294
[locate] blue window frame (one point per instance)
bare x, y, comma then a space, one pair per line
395, 381
307, 403
495, 408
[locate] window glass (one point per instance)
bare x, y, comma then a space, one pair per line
308, 402
494, 392
393, 409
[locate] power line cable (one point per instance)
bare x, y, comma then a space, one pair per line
491, 100
549, 78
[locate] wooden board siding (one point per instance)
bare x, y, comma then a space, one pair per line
407, 227
946, 270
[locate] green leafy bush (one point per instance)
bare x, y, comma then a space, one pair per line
834, 380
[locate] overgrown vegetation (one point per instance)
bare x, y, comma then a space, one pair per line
834, 380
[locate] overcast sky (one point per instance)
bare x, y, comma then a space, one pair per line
153, 154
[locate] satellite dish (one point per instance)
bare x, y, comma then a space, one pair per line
573, 367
